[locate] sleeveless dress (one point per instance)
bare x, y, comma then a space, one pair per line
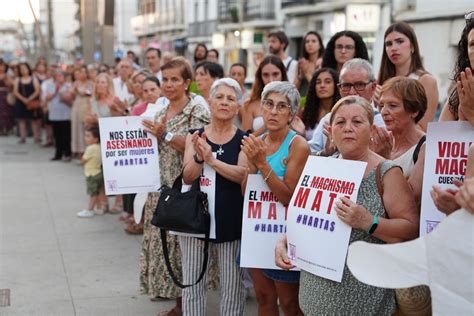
21, 112
320, 296
278, 162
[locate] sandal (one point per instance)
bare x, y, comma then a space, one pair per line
125, 217
134, 229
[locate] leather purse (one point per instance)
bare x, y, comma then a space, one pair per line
184, 212
33, 105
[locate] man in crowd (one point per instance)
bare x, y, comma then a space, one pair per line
153, 58
356, 78
125, 69
277, 44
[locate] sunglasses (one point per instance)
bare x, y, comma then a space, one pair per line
469, 17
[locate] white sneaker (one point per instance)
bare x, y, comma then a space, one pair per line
85, 213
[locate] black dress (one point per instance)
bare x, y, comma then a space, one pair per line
21, 112
229, 200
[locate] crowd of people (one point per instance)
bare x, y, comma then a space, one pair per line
200, 108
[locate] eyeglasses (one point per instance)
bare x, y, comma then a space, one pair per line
358, 86
469, 17
346, 47
280, 106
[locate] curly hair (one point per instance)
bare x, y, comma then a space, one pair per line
310, 115
329, 59
462, 63
257, 87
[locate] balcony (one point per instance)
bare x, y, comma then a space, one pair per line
259, 10
229, 11
204, 28
294, 3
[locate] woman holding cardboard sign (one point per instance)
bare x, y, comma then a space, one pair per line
279, 156
378, 216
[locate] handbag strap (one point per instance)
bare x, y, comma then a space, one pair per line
164, 245
378, 180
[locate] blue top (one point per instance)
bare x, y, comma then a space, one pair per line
279, 159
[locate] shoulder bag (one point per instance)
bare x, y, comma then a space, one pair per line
414, 300
184, 212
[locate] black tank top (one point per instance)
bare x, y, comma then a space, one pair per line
229, 200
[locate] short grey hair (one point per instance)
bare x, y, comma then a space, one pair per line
359, 63
231, 83
284, 88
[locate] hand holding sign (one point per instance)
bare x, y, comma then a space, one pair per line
281, 254
353, 214
444, 200
157, 129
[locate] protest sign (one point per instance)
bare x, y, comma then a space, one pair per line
130, 159
317, 238
447, 146
263, 223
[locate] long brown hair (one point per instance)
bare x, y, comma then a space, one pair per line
387, 68
258, 85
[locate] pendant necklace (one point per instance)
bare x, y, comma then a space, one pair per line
220, 151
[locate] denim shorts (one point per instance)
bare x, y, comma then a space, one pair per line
282, 275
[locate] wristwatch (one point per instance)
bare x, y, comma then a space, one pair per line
167, 137
375, 224
196, 159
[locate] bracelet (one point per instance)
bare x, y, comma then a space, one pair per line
268, 175
196, 160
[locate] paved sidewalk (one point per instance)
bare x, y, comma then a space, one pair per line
55, 263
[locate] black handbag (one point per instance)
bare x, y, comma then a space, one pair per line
185, 212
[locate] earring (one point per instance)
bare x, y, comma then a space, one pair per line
371, 139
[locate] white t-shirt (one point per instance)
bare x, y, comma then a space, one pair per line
121, 90
291, 66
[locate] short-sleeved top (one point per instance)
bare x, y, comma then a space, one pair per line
320, 296
229, 201
57, 109
94, 160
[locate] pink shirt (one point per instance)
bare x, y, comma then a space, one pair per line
139, 109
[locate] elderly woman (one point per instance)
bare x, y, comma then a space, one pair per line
394, 211
403, 103
171, 125
279, 156
222, 138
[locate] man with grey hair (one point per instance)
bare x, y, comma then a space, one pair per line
356, 78
125, 69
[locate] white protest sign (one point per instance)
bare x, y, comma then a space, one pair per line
442, 259
317, 238
207, 183
447, 146
130, 159
263, 223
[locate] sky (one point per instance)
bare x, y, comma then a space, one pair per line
19, 9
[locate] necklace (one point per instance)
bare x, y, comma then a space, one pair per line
220, 151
